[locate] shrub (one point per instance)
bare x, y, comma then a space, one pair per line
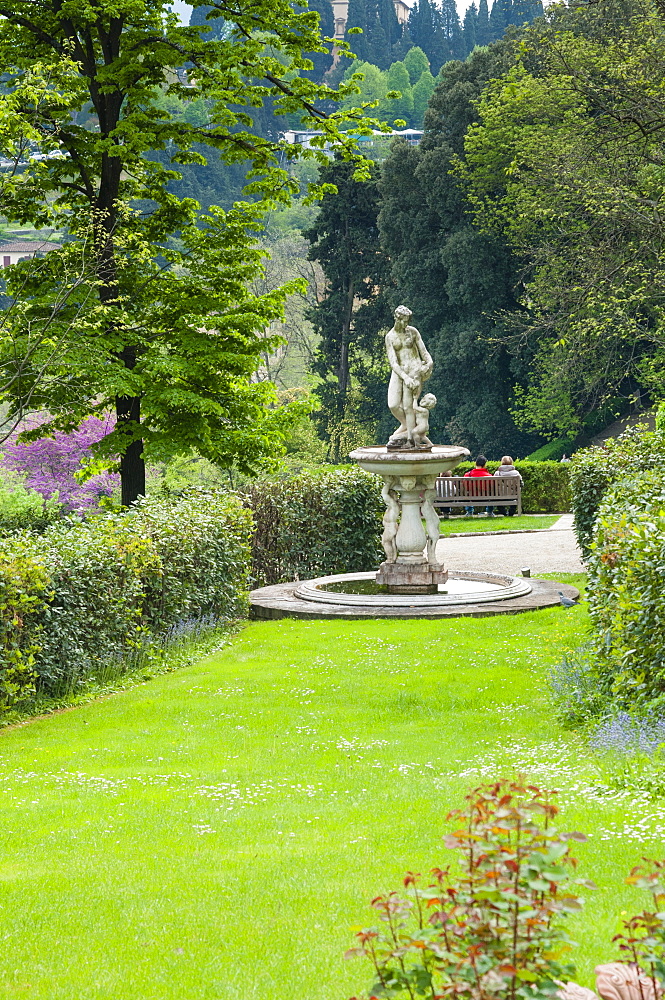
23, 589
23, 508
546, 487
593, 470
553, 451
315, 524
627, 591
117, 582
493, 929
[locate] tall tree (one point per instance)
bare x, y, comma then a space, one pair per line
422, 94
483, 33
452, 30
426, 32
469, 29
566, 163
356, 17
416, 63
397, 79
454, 277
501, 16
322, 60
170, 353
351, 317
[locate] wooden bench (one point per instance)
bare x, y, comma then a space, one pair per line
479, 491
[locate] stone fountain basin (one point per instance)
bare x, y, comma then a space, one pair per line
461, 588
409, 463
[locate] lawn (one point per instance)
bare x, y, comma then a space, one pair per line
217, 832
449, 526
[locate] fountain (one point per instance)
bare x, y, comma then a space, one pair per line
410, 582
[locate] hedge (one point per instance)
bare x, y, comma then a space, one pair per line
315, 524
546, 487
627, 591
593, 470
86, 593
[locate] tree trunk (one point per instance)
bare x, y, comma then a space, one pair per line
343, 361
132, 466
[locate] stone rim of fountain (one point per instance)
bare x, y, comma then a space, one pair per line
501, 588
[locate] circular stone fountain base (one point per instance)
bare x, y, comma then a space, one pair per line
356, 595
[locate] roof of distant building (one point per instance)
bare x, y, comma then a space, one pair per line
26, 246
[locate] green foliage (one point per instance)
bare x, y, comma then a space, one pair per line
416, 63
164, 331
422, 95
492, 929
24, 581
593, 470
116, 582
626, 590
397, 79
22, 508
353, 316
552, 451
458, 280
546, 488
313, 525
552, 167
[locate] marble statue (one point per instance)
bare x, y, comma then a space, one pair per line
422, 412
614, 981
431, 519
390, 520
411, 366
625, 981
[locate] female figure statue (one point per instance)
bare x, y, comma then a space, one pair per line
411, 366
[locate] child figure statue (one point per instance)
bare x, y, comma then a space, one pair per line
422, 412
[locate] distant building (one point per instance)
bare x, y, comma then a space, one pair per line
303, 137
12, 251
340, 12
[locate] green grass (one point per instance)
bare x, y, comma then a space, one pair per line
455, 524
216, 833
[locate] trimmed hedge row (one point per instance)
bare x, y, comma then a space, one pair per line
315, 524
594, 470
87, 593
626, 592
546, 487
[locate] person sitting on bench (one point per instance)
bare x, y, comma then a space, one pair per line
479, 472
508, 469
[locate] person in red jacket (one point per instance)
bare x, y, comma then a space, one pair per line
480, 472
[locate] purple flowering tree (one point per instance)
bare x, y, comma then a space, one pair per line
50, 463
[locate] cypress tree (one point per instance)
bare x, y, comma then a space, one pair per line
356, 17
483, 33
470, 22
452, 30
390, 24
426, 32
322, 60
500, 18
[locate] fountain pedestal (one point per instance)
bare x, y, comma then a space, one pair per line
409, 479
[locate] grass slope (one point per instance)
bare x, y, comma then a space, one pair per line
216, 833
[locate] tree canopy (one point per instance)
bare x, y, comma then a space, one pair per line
163, 332
566, 164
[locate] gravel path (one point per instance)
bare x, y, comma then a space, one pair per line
553, 550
